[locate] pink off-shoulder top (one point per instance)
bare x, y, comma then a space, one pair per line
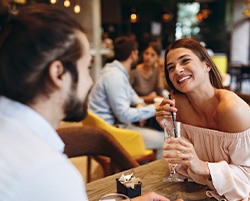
228, 156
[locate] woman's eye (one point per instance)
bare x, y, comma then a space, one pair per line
185, 61
170, 68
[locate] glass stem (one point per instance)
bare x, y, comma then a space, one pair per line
172, 168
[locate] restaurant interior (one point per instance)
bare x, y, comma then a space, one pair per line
223, 26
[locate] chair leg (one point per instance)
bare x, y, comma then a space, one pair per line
89, 158
105, 163
145, 159
113, 167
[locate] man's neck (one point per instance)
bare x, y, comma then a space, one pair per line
127, 65
46, 109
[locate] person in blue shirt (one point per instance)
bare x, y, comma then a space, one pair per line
114, 100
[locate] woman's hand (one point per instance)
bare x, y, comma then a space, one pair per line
188, 155
142, 123
164, 111
150, 97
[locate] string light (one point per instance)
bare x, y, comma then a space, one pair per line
20, 1
53, 1
203, 14
166, 17
66, 3
133, 16
77, 9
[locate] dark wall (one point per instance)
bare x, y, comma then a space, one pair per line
213, 29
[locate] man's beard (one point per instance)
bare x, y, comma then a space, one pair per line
134, 64
74, 108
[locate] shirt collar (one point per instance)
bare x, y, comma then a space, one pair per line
118, 65
33, 120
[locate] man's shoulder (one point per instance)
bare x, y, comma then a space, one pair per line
111, 69
112, 75
28, 164
21, 146
51, 179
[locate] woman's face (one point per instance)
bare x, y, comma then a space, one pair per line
150, 56
186, 71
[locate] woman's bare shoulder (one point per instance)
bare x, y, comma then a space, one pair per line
181, 100
229, 98
232, 113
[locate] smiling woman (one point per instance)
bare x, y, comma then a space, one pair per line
181, 64
216, 131
197, 49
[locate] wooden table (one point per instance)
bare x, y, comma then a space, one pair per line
151, 176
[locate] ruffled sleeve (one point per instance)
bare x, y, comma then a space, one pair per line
228, 156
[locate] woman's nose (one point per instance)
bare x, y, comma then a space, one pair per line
179, 70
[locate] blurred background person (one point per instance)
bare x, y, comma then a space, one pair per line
113, 99
107, 42
146, 79
107, 47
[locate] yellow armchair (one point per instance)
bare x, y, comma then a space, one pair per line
130, 139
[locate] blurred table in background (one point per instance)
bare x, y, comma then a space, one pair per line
240, 74
151, 176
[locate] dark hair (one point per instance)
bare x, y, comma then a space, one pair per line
29, 41
155, 46
123, 46
202, 54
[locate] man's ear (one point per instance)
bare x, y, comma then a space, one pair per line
56, 72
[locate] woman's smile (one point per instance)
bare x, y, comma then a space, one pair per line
184, 78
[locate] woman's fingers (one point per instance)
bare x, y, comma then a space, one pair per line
184, 147
164, 111
168, 101
166, 106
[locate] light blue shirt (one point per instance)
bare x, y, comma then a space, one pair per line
32, 166
112, 97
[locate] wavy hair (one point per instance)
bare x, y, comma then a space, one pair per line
202, 54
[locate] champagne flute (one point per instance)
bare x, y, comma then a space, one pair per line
172, 129
114, 197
